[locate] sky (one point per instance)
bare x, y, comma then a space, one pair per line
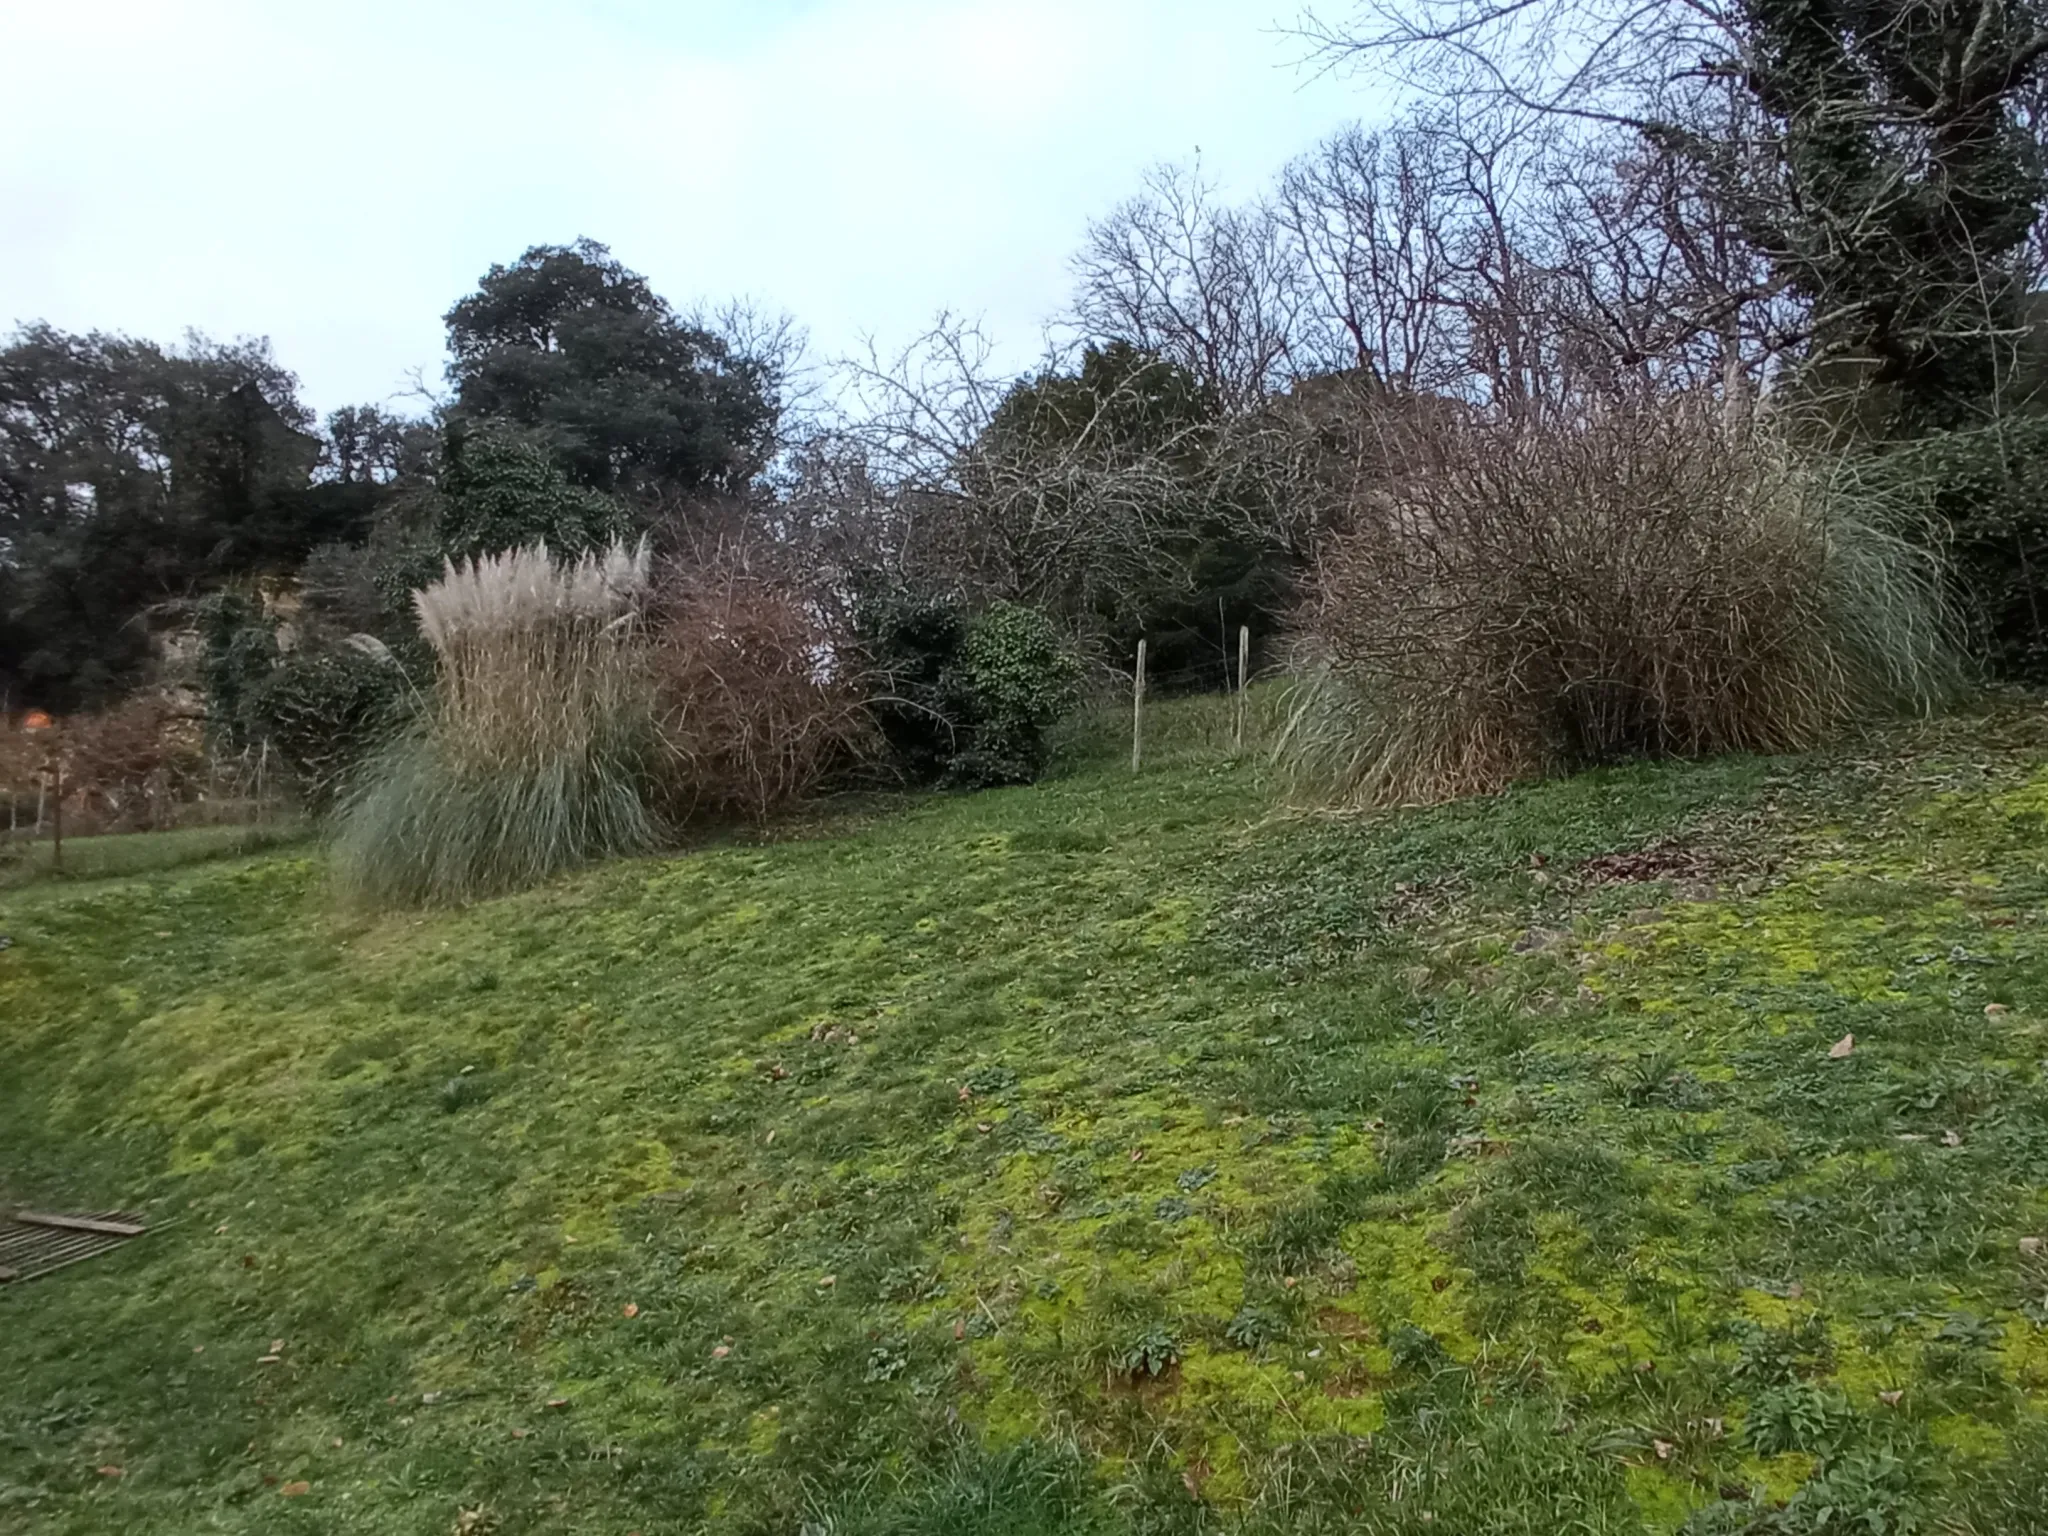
334, 177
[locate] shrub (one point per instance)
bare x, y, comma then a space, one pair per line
538, 749
1535, 599
759, 700
1986, 493
911, 644
1020, 682
967, 703
129, 763
328, 710
240, 650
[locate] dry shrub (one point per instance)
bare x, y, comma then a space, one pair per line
1641, 582
760, 699
538, 750
130, 764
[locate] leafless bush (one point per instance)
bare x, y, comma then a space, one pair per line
129, 764
1642, 581
760, 700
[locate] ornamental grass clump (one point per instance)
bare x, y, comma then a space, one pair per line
1640, 581
537, 750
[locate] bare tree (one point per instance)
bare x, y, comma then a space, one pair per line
1372, 217
1215, 289
1880, 162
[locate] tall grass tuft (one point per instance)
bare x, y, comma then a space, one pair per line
536, 751
1531, 599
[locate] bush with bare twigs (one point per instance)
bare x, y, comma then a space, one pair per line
1643, 581
760, 700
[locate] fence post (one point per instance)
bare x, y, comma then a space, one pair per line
1138, 712
1244, 667
57, 813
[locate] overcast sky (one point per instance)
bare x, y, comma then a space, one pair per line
334, 177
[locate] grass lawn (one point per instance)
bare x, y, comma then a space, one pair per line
23, 861
1110, 1156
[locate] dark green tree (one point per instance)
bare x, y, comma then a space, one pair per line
131, 477
628, 397
501, 489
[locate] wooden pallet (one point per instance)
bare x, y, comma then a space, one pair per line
34, 1243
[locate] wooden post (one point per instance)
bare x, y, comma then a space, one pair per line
1138, 713
1244, 669
57, 811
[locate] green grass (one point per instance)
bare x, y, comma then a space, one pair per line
1111, 1156
23, 861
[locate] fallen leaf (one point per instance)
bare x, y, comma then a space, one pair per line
770, 1141
720, 1351
632, 1309
336, 1442
1794, 1291
1842, 1047
966, 1093
198, 1349
268, 1359
112, 1472
430, 1398
827, 1282
277, 1346
1951, 1139
220, 1230
521, 1434
984, 1127
1439, 1282
1890, 1399
1996, 1010
1663, 1448
2031, 1247
296, 1490
1137, 1154
558, 1402
959, 1330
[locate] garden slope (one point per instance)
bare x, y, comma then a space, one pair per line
1104, 1156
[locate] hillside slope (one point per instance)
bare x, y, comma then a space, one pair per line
1110, 1155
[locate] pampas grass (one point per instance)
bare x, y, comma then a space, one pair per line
536, 752
1644, 582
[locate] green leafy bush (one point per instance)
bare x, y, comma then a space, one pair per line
970, 703
912, 643
240, 651
1020, 682
502, 491
328, 710
1987, 493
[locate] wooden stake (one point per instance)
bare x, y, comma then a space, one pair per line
1138, 713
57, 812
1244, 671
